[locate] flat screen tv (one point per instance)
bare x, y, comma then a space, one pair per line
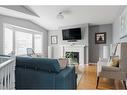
71, 34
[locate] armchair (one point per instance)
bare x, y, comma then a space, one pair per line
116, 73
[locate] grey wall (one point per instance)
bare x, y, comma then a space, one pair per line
84, 30
58, 33
25, 24
95, 50
117, 30
55, 47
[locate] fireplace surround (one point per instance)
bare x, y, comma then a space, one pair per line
80, 49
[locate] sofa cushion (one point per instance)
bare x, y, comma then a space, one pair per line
45, 64
114, 61
63, 62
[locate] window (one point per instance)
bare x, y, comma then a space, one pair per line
8, 38
37, 43
22, 42
18, 40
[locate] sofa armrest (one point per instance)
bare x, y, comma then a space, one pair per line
66, 79
110, 68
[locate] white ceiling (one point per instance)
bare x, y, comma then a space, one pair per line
95, 15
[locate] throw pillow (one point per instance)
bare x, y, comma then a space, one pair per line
63, 62
114, 61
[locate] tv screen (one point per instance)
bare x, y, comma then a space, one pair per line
71, 34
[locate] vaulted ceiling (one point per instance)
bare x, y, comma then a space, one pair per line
46, 16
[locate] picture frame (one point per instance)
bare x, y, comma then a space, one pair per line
100, 38
54, 39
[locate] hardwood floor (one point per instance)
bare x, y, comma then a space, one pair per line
88, 81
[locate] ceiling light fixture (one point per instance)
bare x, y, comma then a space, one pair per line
60, 15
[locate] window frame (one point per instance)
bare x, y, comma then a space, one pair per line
34, 42
21, 29
4, 38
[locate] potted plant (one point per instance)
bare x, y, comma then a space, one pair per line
70, 56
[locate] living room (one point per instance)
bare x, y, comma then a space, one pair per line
60, 47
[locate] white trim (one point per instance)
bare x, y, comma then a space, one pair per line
40, 43
14, 41
33, 42
4, 38
18, 27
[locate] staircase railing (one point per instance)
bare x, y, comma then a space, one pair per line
7, 72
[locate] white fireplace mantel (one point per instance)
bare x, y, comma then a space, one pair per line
74, 48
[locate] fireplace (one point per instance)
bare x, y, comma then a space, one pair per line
79, 52
73, 55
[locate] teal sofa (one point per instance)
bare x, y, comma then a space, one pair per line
43, 73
